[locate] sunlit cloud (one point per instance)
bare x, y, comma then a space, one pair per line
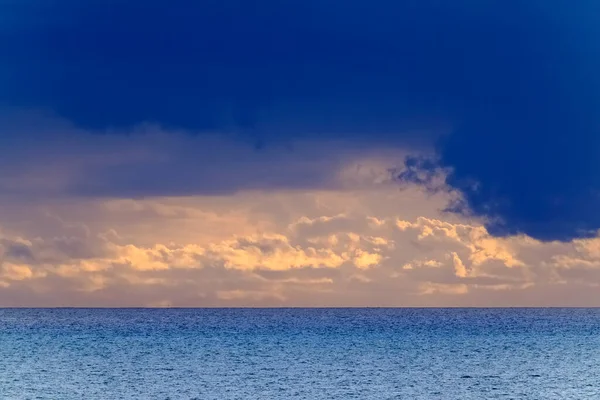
321, 252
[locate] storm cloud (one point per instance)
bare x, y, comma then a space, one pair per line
506, 92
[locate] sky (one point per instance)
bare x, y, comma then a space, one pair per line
299, 153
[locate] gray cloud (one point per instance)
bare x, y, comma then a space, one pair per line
44, 156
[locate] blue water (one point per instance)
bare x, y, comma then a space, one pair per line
300, 354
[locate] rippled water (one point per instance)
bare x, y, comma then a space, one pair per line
300, 354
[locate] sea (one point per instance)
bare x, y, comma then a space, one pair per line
370, 353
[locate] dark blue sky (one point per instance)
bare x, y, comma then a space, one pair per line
513, 85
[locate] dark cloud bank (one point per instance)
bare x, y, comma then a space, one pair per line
516, 81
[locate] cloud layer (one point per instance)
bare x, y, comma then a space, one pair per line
47, 156
351, 247
508, 90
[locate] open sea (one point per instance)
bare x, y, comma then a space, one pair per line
300, 354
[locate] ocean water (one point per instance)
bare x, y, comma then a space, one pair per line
300, 354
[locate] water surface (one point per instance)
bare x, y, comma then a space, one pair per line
300, 354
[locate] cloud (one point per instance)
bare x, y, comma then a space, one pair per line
307, 258
507, 90
459, 268
364, 243
244, 156
47, 156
